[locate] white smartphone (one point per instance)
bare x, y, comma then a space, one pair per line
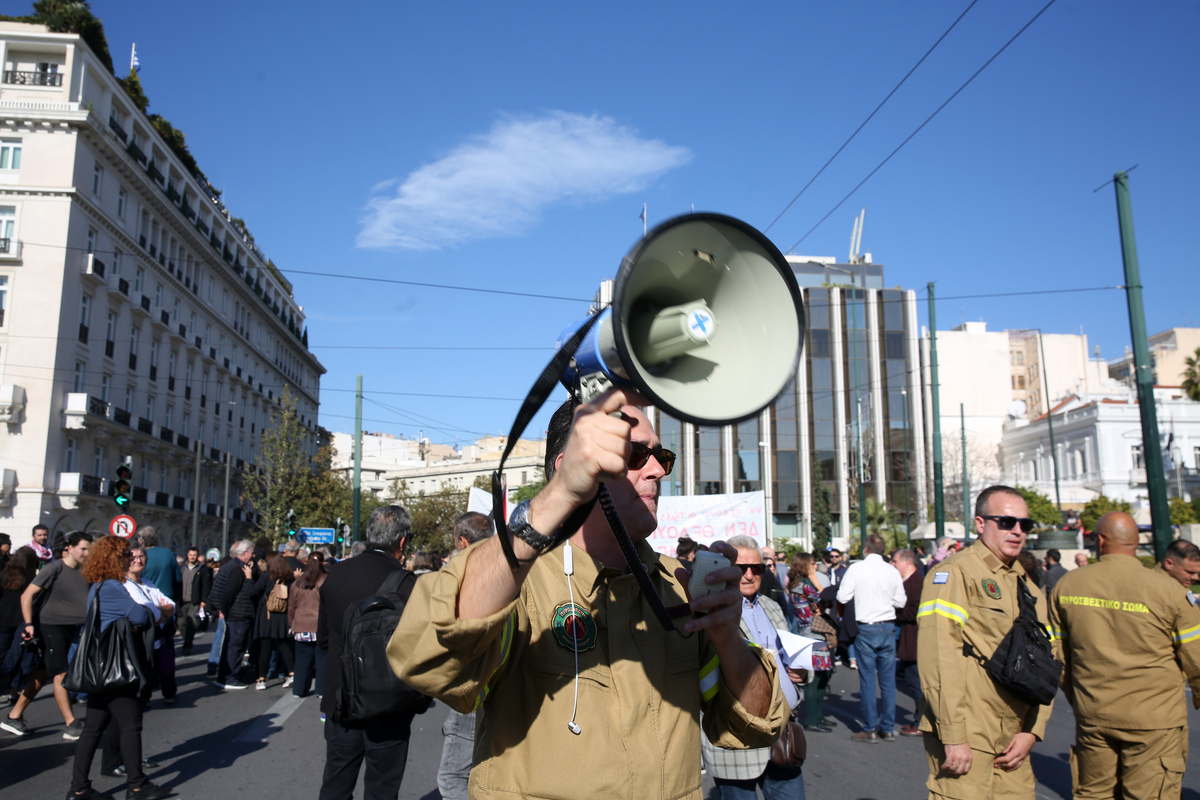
706, 561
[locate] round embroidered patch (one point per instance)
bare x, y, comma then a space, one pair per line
574, 627
991, 588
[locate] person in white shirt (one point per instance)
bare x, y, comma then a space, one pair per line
877, 591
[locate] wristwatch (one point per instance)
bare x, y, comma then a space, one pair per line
518, 523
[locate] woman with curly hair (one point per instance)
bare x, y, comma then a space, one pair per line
106, 570
806, 597
304, 601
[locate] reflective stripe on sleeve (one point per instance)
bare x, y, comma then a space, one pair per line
946, 609
506, 640
708, 679
1188, 635
1056, 634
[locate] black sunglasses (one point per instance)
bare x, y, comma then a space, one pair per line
756, 569
1006, 523
640, 454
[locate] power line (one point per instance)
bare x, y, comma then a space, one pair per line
870, 116
435, 285
409, 347
922, 125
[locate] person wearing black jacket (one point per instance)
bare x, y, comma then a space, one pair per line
194, 590
237, 603
382, 743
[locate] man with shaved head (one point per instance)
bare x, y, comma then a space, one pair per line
1128, 637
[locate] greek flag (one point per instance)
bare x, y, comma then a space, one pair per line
134, 64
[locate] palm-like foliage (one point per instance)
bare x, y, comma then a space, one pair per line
1191, 376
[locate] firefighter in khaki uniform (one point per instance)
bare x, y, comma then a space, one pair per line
977, 735
1128, 636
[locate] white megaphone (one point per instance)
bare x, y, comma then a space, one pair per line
706, 322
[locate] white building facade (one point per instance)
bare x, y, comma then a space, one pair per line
1098, 448
138, 321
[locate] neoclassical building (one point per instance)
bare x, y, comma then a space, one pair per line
139, 323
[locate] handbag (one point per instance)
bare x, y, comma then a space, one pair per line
112, 662
791, 748
277, 600
822, 626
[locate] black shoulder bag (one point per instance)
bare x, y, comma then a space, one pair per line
1024, 663
113, 662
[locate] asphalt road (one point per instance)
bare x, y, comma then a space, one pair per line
266, 744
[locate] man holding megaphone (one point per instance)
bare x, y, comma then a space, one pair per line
582, 692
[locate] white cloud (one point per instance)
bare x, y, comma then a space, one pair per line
497, 184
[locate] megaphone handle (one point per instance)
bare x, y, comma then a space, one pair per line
631, 559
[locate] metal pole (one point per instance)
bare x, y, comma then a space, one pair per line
225, 511
966, 490
907, 432
196, 500
1050, 425
862, 499
939, 499
1156, 483
354, 532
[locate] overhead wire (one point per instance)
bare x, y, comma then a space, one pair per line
928, 119
871, 116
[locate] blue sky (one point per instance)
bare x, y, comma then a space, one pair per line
511, 146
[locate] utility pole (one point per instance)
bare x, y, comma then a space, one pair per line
907, 494
962, 418
225, 510
1050, 425
354, 532
196, 500
1156, 482
939, 499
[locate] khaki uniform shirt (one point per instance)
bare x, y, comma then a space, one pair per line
1128, 636
641, 689
970, 600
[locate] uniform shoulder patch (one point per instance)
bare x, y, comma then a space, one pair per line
991, 588
941, 577
574, 628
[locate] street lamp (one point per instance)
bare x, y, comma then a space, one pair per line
862, 519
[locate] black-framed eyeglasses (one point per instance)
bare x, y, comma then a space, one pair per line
755, 569
1006, 523
641, 453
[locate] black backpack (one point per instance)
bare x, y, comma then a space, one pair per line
370, 689
1024, 663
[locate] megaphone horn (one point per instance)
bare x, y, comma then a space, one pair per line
706, 322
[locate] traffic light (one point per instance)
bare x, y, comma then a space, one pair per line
341, 538
291, 523
123, 487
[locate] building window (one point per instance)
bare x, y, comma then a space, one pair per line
79, 376
186, 419
138, 275
158, 295
98, 461
129, 398
162, 479
97, 179
10, 153
3, 297
122, 202
85, 318
105, 387
1018, 358
8, 224
224, 300
134, 334
69, 464
91, 241
116, 262
1018, 381
1139, 456
150, 407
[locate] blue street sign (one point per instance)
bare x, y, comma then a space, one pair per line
317, 535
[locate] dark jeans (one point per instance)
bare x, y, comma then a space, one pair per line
164, 664
908, 669
266, 646
237, 637
876, 645
384, 746
17, 662
310, 664
189, 620
126, 709
777, 783
814, 697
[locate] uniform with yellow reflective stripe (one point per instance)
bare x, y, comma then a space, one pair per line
1128, 637
641, 689
968, 605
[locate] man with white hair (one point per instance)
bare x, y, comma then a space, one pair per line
234, 605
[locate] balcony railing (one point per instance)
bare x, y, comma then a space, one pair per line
165, 317
5, 245
121, 416
166, 434
145, 426
136, 152
91, 484
153, 172
145, 303
32, 78
118, 130
97, 406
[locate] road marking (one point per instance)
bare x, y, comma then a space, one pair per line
271, 720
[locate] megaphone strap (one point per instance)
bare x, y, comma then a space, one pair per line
632, 560
536, 398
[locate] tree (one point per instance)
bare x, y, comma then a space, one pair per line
983, 470
1041, 509
133, 88
74, 16
1182, 512
433, 515
527, 491
1191, 376
1097, 508
822, 518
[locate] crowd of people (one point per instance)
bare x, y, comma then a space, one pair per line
547, 649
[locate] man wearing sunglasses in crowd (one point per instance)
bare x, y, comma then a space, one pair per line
977, 736
582, 691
